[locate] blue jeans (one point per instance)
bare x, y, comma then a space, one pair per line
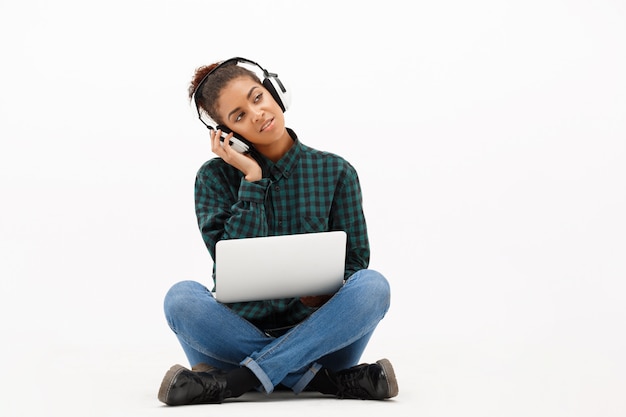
334, 336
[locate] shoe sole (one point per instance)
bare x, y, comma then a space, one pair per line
166, 385
172, 373
390, 375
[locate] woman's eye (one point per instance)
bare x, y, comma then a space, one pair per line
239, 117
258, 97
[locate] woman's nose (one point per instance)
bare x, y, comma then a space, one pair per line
258, 114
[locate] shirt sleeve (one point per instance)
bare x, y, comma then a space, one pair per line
347, 214
228, 206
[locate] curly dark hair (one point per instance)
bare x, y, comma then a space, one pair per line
207, 84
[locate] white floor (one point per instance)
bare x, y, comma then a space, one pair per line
497, 358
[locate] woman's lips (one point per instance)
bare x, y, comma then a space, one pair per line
267, 124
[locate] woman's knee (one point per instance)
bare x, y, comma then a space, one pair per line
179, 299
373, 280
374, 285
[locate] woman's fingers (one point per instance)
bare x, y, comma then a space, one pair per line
219, 147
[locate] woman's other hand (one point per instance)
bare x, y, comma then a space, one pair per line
315, 300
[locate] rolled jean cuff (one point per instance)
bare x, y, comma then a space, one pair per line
306, 378
259, 373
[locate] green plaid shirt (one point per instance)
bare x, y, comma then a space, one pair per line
305, 191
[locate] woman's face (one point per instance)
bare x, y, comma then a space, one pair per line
247, 108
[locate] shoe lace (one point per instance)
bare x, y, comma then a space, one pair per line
349, 385
213, 389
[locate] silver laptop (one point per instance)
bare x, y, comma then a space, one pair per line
263, 268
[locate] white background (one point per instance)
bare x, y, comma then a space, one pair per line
490, 141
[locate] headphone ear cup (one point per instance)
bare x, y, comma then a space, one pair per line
244, 145
278, 92
226, 131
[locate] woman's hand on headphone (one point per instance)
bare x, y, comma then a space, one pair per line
244, 163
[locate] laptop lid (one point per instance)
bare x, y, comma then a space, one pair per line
263, 268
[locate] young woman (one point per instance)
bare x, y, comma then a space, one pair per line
280, 186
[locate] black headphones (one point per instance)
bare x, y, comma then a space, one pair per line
270, 81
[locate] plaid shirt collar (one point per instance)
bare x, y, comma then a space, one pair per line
285, 165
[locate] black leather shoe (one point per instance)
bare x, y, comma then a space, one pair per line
368, 382
181, 386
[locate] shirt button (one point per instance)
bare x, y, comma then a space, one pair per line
276, 188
